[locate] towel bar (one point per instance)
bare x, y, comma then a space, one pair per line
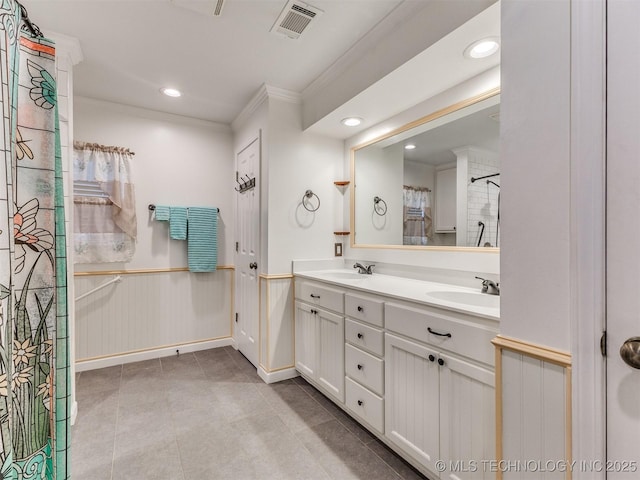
152, 207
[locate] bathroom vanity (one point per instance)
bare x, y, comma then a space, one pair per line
411, 360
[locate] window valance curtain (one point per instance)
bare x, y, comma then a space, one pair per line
417, 216
105, 221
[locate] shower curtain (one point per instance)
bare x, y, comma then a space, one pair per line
417, 219
34, 358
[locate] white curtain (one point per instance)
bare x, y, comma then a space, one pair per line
417, 216
105, 226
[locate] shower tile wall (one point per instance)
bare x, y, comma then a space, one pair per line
482, 198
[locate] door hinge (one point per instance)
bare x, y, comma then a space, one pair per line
603, 344
237, 176
236, 317
236, 246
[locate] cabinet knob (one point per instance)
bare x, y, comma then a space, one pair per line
360, 335
440, 362
360, 309
314, 311
432, 358
360, 367
360, 402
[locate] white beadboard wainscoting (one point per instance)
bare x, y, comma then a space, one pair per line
276, 328
151, 313
533, 408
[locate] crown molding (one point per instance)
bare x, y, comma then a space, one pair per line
264, 93
68, 45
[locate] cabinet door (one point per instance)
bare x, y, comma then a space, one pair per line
306, 340
467, 400
446, 210
330, 372
412, 399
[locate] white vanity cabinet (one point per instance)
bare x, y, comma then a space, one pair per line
364, 363
420, 377
319, 336
439, 379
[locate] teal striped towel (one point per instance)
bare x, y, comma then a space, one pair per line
203, 239
178, 223
162, 213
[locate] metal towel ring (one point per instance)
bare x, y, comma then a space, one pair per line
310, 194
377, 208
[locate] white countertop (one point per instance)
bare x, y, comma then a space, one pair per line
449, 297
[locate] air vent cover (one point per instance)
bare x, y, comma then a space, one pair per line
295, 18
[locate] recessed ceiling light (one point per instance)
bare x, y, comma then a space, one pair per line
352, 121
409, 146
171, 92
482, 48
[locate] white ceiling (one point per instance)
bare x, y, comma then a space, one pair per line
133, 48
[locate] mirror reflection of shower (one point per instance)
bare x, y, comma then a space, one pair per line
490, 213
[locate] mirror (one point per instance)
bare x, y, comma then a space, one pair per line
432, 183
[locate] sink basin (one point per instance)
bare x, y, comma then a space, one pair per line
467, 298
347, 275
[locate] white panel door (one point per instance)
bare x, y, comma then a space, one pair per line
306, 340
247, 255
467, 419
623, 233
331, 354
412, 399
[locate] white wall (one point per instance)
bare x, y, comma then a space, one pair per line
464, 261
299, 161
179, 161
535, 178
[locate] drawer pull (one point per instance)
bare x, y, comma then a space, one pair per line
360, 335
433, 332
360, 366
360, 309
440, 362
314, 311
432, 358
315, 296
360, 402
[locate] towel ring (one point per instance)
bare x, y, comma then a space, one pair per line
378, 208
309, 194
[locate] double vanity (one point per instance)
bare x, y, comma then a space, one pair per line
411, 360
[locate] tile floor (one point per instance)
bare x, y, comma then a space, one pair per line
207, 415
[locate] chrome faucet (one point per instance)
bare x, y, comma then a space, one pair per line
489, 286
365, 269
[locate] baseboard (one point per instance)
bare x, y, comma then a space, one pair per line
277, 376
131, 357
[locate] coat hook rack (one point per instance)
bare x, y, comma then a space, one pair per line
379, 209
245, 185
308, 195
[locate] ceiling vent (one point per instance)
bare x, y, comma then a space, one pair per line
208, 7
295, 19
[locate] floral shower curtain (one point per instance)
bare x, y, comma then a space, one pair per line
34, 359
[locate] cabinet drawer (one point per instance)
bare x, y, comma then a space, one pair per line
472, 341
364, 368
364, 337
364, 309
365, 405
320, 295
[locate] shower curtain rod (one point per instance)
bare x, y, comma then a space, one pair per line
486, 176
25, 18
